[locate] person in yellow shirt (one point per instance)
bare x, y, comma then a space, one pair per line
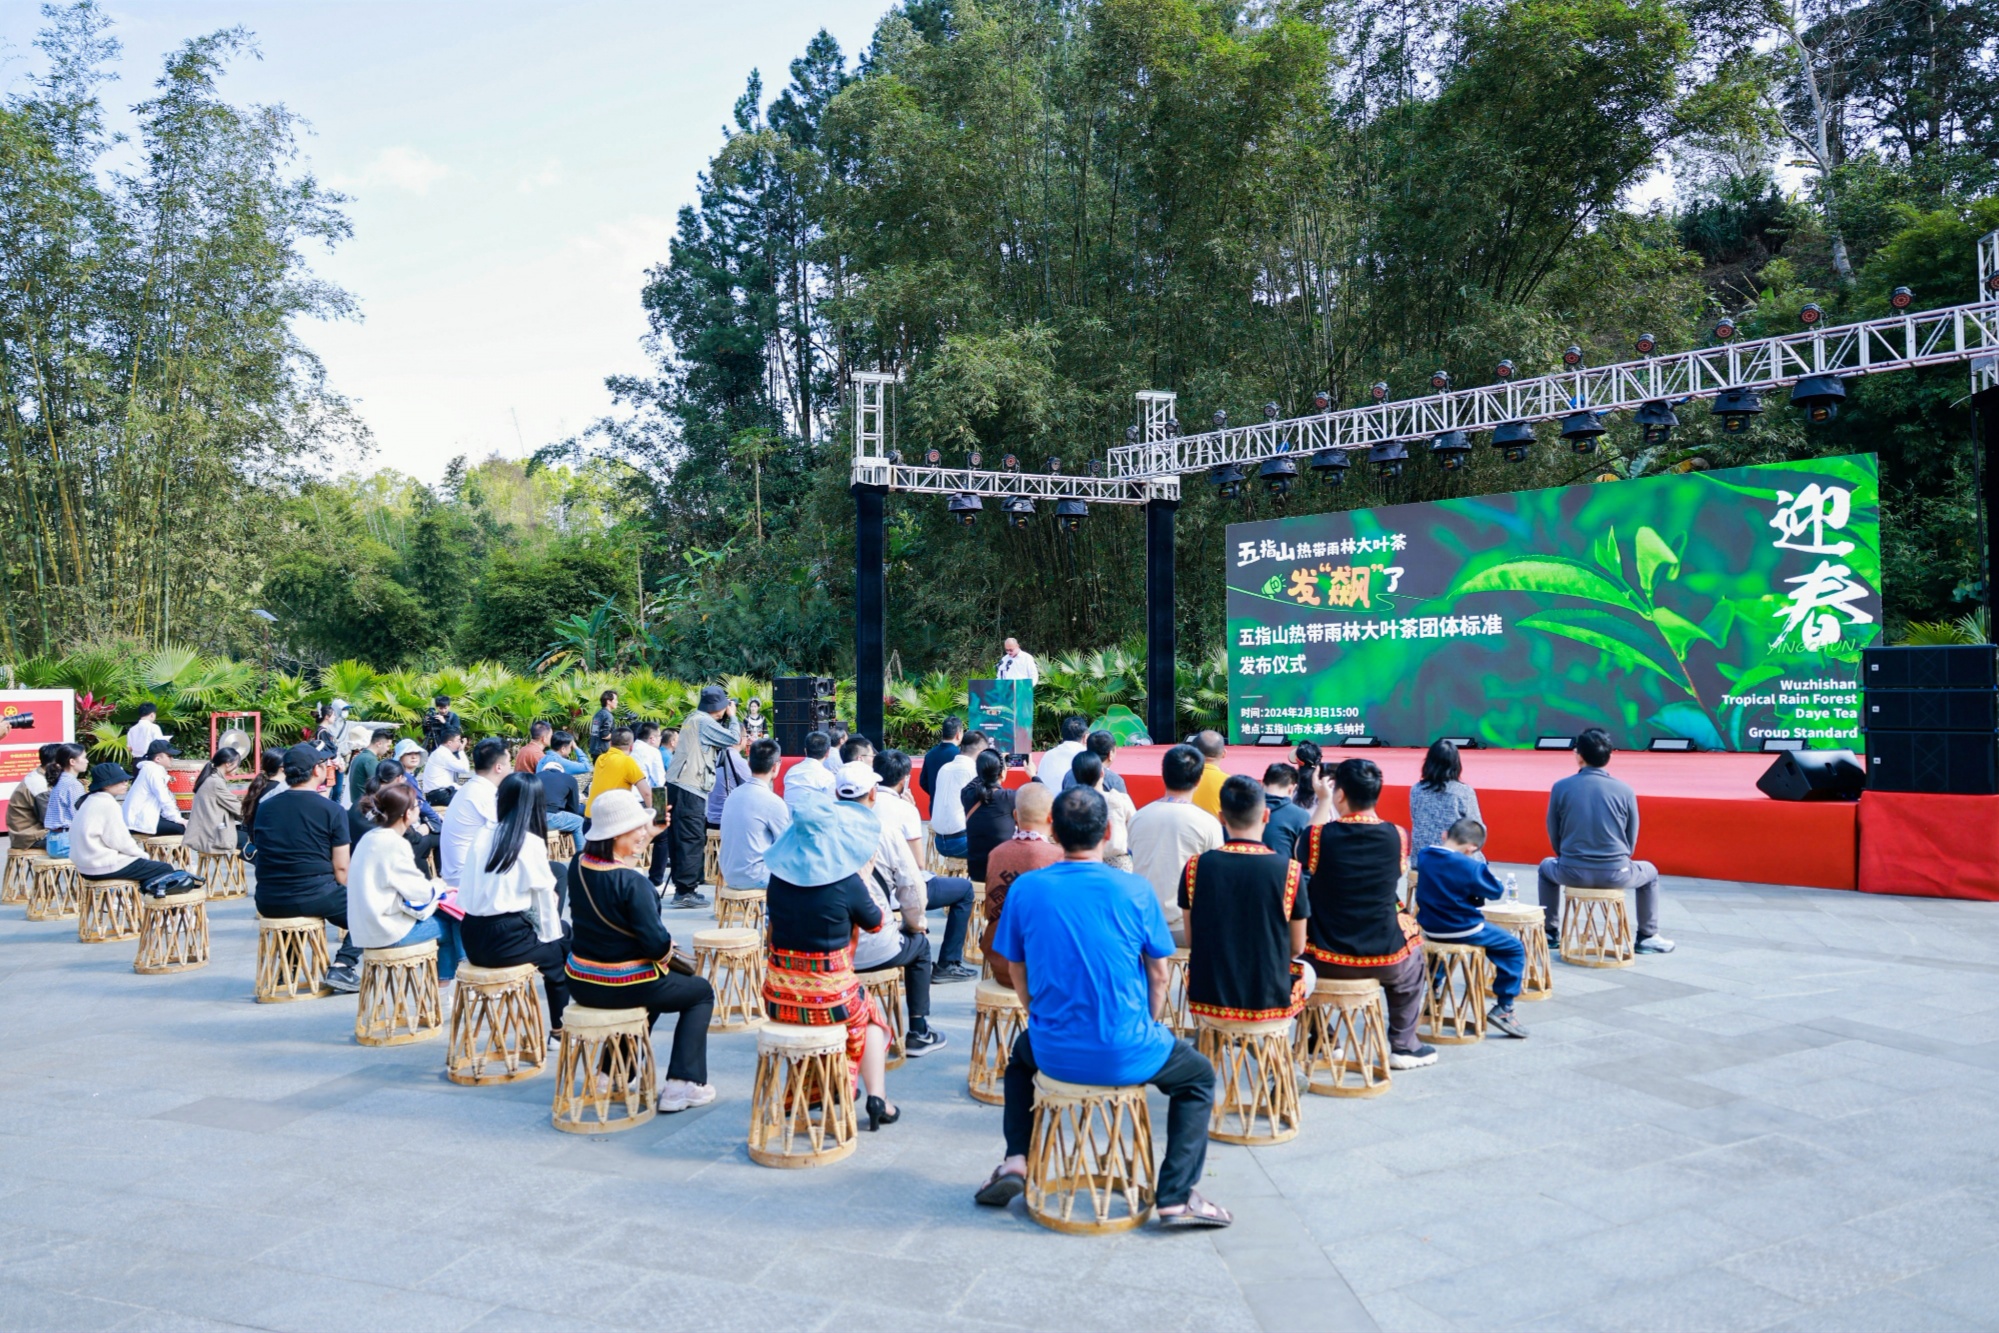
1208, 792
618, 770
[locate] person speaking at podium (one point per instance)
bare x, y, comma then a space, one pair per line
1015, 664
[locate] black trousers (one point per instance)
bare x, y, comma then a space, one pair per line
1188, 1081
690, 836
327, 900
914, 960
143, 871
168, 828
509, 940
425, 847
690, 997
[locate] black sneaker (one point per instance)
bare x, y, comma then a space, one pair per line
924, 1042
1424, 1054
1506, 1021
341, 980
686, 901
950, 972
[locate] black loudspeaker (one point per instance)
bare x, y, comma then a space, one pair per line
1953, 667
809, 713
1931, 710
790, 736
1814, 775
1958, 763
788, 688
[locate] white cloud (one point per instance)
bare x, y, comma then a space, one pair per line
547, 174
399, 168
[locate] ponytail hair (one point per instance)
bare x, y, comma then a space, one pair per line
991, 769
387, 805
222, 759
1307, 754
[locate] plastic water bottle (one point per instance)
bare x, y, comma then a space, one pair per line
1512, 887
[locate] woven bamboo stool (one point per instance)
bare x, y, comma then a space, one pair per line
929, 850
802, 1102
108, 909
1092, 1144
52, 893
1343, 1039
19, 876
174, 937
1256, 1084
886, 987
732, 962
711, 860
222, 874
1537, 978
604, 1075
951, 865
997, 1018
498, 1031
561, 846
291, 958
975, 929
1177, 1015
399, 996
168, 848
1454, 983
1596, 930
740, 909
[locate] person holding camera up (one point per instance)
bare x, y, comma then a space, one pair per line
709, 730
440, 719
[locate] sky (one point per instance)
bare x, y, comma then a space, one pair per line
514, 169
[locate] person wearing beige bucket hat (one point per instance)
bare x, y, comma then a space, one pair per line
620, 944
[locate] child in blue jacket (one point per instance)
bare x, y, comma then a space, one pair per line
1451, 884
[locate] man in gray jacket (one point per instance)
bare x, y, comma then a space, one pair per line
1593, 826
708, 730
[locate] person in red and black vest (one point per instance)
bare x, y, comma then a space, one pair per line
1354, 866
1245, 940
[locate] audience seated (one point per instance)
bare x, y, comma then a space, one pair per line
1452, 882
150, 807
390, 902
1171, 831
562, 754
475, 809
30, 801
562, 799
951, 894
101, 846
1593, 827
1245, 942
65, 794
1088, 949
1314, 783
267, 782
1054, 764
512, 896
988, 805
896, 886
752, 818
947, 808
1103, 745
1087, 770
302, 854
1355, 867
810, 774
1208, 791
528, 758
215, 821
446, 770
361, 767
1031, 847
940, 754
1439, 799
1288, 819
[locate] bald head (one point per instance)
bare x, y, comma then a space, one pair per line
1033, 805
1211, 745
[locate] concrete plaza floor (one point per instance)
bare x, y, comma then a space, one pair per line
1792, 1122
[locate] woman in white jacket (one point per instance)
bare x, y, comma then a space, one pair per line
512, 896
390, 902
101, 847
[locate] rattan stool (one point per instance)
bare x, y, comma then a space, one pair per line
886, 988
107, 909
1256, 1094
1525, 921
174, 936
1090, 1143
291, 958
222, 874
975, 929
604, 1065
19, 876
52, 893
740, 909
951, 865
1596, 930
1176, 1015
1343, 1039
802, 1102
998, 1017
166, 847
561, 846
732, 962
399, 997
711, 860
1454, 983
496, 1020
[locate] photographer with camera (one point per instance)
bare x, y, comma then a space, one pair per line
710, 729
440, 719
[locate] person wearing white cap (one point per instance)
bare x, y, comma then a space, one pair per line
897, 885
620, 945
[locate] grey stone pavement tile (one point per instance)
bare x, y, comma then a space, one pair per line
1792, 1122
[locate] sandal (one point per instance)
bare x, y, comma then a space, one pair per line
1001, 1188
1198, 1212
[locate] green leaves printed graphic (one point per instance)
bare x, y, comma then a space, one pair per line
1629, 645
1549, 574
1652, 553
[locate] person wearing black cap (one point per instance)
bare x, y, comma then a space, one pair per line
708, 730
302, 850
100, 845
150, 809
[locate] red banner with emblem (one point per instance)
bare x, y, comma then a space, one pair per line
36, 718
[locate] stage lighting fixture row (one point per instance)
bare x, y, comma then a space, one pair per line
1330, 466
1736, 407
1819, 396
1515, 438
1657, 420
1580, 429
1451, 450
1069, 514
964, 507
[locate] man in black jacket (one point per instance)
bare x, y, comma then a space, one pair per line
940, 754
602, 723
565, 801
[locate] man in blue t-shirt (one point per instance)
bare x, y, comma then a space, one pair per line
1088, 948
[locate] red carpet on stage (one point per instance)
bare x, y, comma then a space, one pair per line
1929, 846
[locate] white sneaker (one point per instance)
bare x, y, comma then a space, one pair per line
445, 991
680, 1095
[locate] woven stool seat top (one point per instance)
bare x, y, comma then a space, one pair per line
1450, 946
185, 898
1514, 914
728, 939
162, 839
578, 1018
1601, 894
29, 853
1342, 986
1254, 1026
992, 995
400, 953
496, 976
1054, 1089
59, 862
802, 1037
731, 891
291, 922
122, 883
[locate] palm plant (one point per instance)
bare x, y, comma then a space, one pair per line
1972, 628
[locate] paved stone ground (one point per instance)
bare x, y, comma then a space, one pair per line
1790, 1123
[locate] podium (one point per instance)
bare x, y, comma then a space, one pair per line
1004, 711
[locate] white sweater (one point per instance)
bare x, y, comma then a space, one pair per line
528, 886
386, 893
100, 844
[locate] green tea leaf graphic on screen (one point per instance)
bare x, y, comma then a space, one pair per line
1627, 643
1552, 574
1653, 553
1679, 631
1687, 718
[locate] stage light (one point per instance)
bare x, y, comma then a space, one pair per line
1780, 744
1220, 418
974, 460
1131, 435
1464, 742
1555, 742
1227, 479
1440, 380
1992, 283
1515, 438
1657, 420
1735, 407
1388, 458
1504, 370
895, 457
1330, 466
1450, 449
1019, 509
1580, 429
1069, 514
1278, 474
933, 456
1810, 314
1572, 355
1054, 466
1009, 463
1172, 425
1322, 401
1271, 411
1647, 344
1096, 467
1820, 397
1671, 745
1378, 391
964, 507
1901, 298
1273, 738
1359, 742
1724, 329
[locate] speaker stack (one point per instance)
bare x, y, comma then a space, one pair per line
799, 705
1932, 718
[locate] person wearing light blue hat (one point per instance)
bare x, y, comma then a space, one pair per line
818, 905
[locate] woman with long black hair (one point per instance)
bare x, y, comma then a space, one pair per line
512, 896
1439, 799
988, 806
215, 821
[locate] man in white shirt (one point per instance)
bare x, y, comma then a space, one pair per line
1017, 665
476, 808
899, 884
811, 772
947, 808
446, 770
1172, 829
952, 893
143, 733
1055, 764
752, 818
645, 749
150, 807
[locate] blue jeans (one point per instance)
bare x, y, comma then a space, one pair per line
445, 931
953, 844
1509, 962
564, 821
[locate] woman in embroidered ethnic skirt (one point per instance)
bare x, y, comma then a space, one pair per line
817, 905
619, 952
